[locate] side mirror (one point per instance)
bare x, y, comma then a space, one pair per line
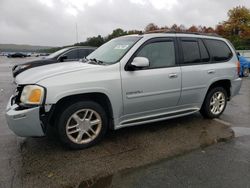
62, 58
140, 62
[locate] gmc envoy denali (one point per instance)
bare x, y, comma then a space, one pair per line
130, 80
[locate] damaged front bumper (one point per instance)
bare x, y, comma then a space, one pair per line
24, 122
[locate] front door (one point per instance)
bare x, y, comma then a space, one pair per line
155, 89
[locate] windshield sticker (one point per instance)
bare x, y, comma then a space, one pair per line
121, 47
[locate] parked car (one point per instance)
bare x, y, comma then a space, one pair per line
244, 66
130, 80
18, 54
64, 55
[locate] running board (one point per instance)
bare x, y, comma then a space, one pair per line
155, 118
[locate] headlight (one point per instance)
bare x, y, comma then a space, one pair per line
19, 67
32, 94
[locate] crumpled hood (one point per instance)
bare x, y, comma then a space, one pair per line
36, 74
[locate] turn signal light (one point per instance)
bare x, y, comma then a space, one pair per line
238, 67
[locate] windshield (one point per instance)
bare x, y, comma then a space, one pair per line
112, 51
55, 54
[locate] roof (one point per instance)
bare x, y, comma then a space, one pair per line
85, 47
181, 32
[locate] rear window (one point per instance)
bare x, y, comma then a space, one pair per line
219, 50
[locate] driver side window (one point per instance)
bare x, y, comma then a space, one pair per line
72, 55
160, 54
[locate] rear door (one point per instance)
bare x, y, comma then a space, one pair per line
196, 71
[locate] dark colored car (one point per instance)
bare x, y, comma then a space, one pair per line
18, 54
64, 55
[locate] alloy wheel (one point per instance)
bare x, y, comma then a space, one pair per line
217, 103
83, 126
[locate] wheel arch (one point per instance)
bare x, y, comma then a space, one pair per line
225, 83
97, 97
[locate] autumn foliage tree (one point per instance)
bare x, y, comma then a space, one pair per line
236, 28
151, 27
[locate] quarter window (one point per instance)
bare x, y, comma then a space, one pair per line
219, 50
160, 54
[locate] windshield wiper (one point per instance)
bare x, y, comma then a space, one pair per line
84, 60
96, 61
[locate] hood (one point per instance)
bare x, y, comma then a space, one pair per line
37, 61
36, 74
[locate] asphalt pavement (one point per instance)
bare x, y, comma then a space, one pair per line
224, 165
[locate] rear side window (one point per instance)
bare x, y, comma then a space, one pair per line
191, 52
204, 54
219, 50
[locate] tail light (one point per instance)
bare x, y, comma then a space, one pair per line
238, 67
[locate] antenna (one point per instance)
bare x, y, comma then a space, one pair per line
76, 34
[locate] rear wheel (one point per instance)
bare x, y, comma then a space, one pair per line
245, 72
82, 124
215, 103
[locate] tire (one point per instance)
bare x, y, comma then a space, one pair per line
214, 104
245, 72
82, 124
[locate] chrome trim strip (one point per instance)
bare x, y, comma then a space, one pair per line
157, 117
137, 95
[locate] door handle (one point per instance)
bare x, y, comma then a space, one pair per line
172, 75
211, 71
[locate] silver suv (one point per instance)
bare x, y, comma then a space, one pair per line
128, 81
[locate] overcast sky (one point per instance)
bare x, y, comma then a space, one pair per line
53, 22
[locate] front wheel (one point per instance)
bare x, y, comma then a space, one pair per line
82, 124
215, 103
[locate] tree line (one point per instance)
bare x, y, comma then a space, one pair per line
236, 28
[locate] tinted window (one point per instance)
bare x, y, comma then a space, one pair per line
57, 53
219, 51
204, 54
71, 54
159, 54
191, 52
84, 53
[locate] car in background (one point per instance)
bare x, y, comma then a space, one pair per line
64, 55
244, 66
18, 54
43, 54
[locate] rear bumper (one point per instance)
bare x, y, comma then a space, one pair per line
235, 86
25, 123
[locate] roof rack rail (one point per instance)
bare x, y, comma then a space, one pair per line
181, 32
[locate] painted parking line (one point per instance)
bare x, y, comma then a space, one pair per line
222, 122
